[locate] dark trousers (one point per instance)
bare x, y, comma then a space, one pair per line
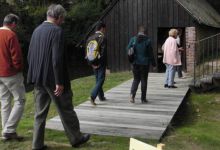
140, 73
179, 71
43, 96
100, 79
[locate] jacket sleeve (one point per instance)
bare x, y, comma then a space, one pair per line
103, 49
16, 54
103, 43
58, 56
130, 44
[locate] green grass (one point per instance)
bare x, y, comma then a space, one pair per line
196, 127
57, 140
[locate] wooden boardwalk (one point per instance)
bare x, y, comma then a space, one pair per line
118, 117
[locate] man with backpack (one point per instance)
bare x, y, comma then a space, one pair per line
142, 59
96, 55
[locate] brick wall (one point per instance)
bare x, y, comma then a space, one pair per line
190, 48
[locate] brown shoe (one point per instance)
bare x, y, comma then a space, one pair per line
12, 136
92, 100
132, 99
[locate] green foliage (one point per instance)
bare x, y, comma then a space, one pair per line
80, 15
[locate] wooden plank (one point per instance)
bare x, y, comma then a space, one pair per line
116, 43
150, 18
118, 117
135, 17
146, 124
126, 31
175, 14
111, 42
131, 109
122, 36
145, 13
130, 18
139, 12
111, 130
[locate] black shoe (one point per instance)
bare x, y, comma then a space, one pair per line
166, 85
12, 136
172, 87
174, 82
144, 101
132, 99
83, 140
102, 99
92, 100
43, 148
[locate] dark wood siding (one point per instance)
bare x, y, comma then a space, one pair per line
123, 20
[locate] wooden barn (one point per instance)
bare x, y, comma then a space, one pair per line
196, 18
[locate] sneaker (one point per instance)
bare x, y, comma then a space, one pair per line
92, 100
11, 136
165, 85
82, 140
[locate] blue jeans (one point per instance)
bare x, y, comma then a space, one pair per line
170, 74
100, 79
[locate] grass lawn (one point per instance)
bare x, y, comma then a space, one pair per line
197, 127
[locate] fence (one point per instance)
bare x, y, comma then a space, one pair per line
207, 59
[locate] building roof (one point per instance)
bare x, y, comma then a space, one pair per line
202, 11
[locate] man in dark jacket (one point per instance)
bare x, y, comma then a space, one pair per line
143, 59
99, 66
48, 72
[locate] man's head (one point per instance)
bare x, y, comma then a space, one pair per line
173, 33
179, 31
101, 27
11, 21
142, 29
56, 14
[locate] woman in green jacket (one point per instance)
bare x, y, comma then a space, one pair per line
143, 58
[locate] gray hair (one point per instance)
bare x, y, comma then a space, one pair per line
56, 11
173, 32
10, 19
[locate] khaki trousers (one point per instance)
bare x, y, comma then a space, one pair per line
11, 88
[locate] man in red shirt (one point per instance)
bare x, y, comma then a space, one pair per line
11, 79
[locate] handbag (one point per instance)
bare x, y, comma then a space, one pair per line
131, 52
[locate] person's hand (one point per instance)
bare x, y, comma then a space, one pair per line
181, 49
59, 90
95, 67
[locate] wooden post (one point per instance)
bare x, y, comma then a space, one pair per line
160, 146
138, 145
